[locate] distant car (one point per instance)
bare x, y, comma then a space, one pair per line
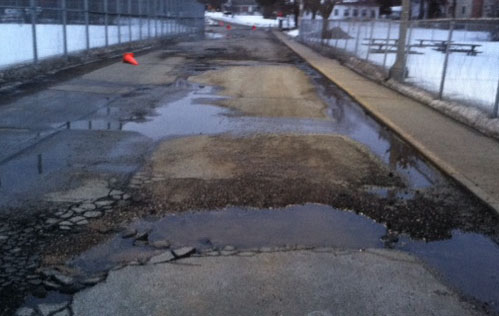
227, 13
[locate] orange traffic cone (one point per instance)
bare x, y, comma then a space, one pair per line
253, 28
229, 27
129, 58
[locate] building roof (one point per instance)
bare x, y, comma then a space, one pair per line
364, 3
359, 4
241, 2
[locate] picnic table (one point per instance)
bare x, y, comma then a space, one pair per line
376, 41
384, 45
469, 49
380, 42
432, 43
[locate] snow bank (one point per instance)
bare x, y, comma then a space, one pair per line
50, 38
471, 116
293, 33
250, 20
469, 79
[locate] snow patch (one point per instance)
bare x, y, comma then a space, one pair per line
250, 20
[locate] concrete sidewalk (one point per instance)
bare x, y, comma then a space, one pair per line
469, 157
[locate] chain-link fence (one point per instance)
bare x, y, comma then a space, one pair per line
454, 59
31, 30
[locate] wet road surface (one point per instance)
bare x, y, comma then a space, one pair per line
74, 172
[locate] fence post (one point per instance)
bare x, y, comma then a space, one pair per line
155, 18
105, 23
129, 20
148, 18
169, 22
140, 19
397, 70
118, 13
162, 11
388, 35
64, 28
87, 31
496, 105
306, 28
408, 49
370, 39
319, 31
338, 33
33, 30
359, 24
349, 25
177, 18
446, 61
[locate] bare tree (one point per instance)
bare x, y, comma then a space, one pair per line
296, 12
267, 7
421, 12
312, 6
325, 10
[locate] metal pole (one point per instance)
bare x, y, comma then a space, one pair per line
168, 18
169, 25
319, 31
337, 36
155, 18
118, 12
388, 35
64, 28
177, 18
359, 24
148, 19
349, 26
162, 11
370, 39
105, 23
305, 28
33, 30
496, 105
140, 19
87, 31
174, 18
446, 60
397, 70
408, 49
129, 20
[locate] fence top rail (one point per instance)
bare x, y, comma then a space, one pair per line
488, 20
382, 39
484, 20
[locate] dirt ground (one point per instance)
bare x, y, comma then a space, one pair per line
260, 170
270, 91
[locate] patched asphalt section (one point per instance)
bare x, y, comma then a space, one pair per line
320, 282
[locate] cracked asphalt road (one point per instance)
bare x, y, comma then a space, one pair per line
322, 282
198, 147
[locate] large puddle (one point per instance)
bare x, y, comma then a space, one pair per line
466, 261
195, 114
192, 112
